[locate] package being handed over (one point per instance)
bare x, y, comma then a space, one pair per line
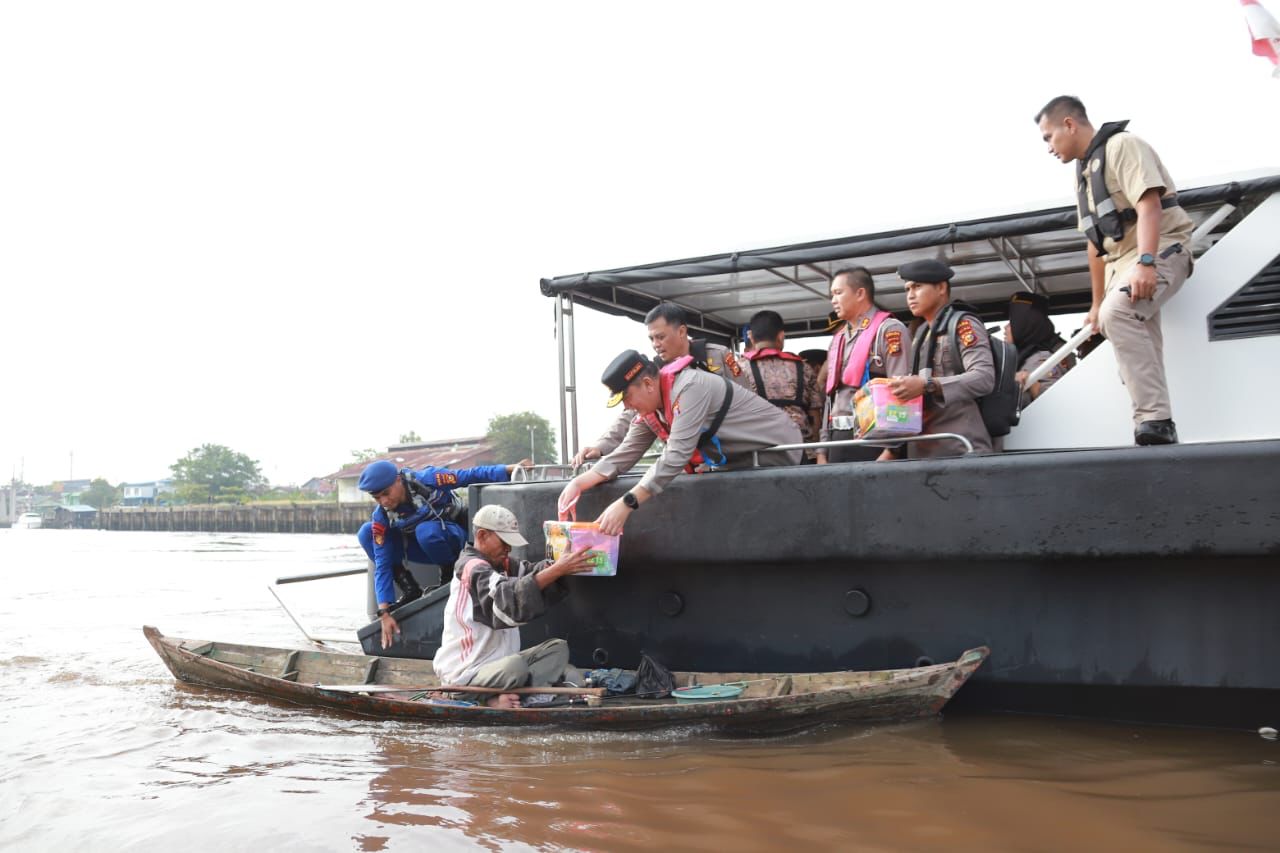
565, 537
882, 415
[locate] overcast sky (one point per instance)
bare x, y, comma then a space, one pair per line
300, 228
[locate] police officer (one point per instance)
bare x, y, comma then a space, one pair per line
951, 375
1138, 247
705, 421
669, 336
1032, 332
418, 517
784, 379
870, 343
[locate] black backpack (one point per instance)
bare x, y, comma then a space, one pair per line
1001, 407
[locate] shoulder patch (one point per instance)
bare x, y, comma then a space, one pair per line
964, 331
866, 321
675, 409
379, 534
732, 363
893, 341
446, 478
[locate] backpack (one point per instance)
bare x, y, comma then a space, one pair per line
1001, 407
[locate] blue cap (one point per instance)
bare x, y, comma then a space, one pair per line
378, 476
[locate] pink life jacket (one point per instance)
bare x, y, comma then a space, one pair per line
666, 381
855, 371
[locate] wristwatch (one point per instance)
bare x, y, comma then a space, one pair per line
1147, 259
931, 386
629, 499
384, 611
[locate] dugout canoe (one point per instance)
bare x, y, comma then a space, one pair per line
367, 685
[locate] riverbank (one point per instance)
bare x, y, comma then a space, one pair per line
239, 518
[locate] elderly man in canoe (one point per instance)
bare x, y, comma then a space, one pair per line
490, 597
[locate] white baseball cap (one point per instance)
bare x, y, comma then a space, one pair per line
500, 520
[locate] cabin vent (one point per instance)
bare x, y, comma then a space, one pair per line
1252, 311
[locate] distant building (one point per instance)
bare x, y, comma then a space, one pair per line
68, 492
145, 494
319, 486
74, 516
448, 453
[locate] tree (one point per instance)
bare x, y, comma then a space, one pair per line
410, 437
510, 437
101, 494
212, 469
367, 455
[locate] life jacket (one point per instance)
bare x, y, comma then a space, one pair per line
858, 370
708, 443
427, 505
785, 356
1104, 219
1001, 407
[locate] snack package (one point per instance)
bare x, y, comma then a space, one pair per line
882, 415
569, 536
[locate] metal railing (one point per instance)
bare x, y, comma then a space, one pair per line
864, 442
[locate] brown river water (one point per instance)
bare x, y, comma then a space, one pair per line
100, 749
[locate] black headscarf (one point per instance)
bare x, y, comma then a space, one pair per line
1032, 329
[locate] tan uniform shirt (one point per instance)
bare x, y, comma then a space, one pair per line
890, 356
720, 361
963, 380
779, 375
1133, 167
750, 424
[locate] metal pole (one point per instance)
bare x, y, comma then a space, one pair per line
315, 576
564, 433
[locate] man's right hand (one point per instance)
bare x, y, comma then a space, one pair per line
583, 455
390, 630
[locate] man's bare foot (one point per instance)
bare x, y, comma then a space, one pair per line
509, 701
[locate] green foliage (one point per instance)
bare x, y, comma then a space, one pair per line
366, 455
410, 437
214, 473
101, 494
509, 435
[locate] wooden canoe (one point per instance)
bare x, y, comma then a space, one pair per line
770, 702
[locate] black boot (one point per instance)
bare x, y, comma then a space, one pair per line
1156, 432
409, 589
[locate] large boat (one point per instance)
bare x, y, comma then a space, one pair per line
1110, 580
28, 521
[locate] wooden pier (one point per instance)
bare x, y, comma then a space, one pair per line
247, 518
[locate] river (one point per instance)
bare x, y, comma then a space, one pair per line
101, 749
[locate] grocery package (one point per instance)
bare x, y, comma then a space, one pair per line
564, 537
882, 415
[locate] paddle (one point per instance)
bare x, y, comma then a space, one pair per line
458, 688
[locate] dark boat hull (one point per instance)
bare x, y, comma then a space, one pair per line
1133, 583
878, 696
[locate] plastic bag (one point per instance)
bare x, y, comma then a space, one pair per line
653, 680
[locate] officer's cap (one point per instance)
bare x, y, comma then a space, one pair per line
618, 375
928, 271
1035, 300
378, 476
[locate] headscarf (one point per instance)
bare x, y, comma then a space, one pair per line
1032, 329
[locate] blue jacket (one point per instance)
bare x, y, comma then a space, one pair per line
437, 484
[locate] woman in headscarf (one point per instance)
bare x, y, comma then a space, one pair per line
1032, 332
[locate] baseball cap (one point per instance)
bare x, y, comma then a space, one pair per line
618, 375
501, 521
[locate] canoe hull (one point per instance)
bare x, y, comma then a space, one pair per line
881, 696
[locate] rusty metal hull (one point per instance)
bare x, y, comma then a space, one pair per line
817, 697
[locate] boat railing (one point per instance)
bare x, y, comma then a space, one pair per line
864, 442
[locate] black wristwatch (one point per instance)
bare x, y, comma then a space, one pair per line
383, 611
1147, 259
630, 501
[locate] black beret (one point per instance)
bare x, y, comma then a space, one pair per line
926, 272
618, 375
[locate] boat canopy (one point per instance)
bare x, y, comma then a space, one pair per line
993, 257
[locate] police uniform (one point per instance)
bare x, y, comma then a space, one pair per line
1130, 168
789, 383
708, 356
426, 528
963, 377
889, 356
751, 423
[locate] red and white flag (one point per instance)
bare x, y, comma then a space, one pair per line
1264, 31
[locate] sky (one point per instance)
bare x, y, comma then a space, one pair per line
303, 228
